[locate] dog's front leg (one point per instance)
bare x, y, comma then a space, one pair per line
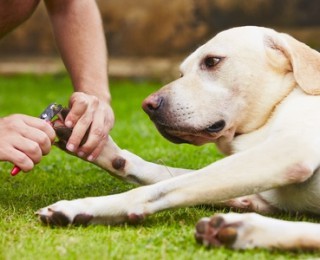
122, 163
132, 168
253, 171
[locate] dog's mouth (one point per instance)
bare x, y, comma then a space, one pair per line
192, 136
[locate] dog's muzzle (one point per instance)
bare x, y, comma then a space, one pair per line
159, 112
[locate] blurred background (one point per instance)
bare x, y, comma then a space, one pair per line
149, 38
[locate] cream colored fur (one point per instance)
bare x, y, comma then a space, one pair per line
265, 89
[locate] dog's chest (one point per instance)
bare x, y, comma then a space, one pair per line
247, 141
302, 197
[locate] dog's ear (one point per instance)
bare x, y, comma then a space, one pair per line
304, 61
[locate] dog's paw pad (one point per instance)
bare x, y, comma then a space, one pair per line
214, 231
134, 218
53, 218
82, 219
118, 163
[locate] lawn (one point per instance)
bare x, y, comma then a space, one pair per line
166, 235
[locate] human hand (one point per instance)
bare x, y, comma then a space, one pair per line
24, 140
88, 112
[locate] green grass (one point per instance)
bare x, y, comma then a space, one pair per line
166, 235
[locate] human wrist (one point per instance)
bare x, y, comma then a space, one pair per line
102, 93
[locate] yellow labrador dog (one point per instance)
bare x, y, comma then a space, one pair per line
253, 92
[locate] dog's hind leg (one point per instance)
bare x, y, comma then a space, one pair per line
250, 203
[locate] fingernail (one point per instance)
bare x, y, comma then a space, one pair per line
70, 147
68, 124
90, 158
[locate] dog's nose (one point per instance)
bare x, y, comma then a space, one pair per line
216, 127
152, 103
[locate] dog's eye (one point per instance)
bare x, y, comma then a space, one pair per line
210, 62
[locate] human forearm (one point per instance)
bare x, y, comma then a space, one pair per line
80, 39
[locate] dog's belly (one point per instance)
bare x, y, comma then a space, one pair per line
302, 197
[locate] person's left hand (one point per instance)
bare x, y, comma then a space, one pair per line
88, 111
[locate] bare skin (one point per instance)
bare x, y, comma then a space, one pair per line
79, 36
24, 140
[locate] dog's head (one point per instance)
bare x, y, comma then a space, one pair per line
231, 85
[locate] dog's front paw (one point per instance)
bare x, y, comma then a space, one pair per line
63, 134
63, 213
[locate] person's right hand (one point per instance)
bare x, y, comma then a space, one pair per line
24, 140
